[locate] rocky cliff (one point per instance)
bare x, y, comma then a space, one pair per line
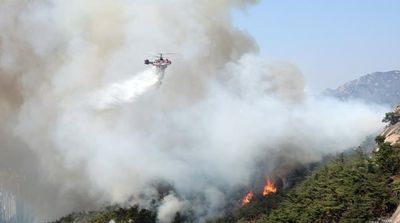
392, 131
392, 136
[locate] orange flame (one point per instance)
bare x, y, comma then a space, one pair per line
247, 199
269, 188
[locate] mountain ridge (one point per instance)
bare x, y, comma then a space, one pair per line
378, 87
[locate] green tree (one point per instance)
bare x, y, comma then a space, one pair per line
391, 118
387, 157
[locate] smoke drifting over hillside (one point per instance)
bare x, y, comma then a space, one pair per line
81, 125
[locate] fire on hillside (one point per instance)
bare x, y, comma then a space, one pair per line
269, 188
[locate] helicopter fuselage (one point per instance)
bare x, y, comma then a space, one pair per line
160, 64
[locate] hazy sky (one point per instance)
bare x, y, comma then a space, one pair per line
331, 41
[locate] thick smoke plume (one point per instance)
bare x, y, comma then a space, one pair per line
82, 124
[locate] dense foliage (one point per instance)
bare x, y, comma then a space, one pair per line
352, 188
391, 118
120, 215
132, 214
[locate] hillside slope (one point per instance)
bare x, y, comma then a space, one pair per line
392, 136
353, 187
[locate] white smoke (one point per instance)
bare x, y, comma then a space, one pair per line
170, 205
85, 123
126, 91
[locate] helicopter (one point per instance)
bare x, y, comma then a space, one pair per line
160, 63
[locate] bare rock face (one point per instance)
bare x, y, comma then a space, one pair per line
396, 216
392, 132
397, 109
379, 87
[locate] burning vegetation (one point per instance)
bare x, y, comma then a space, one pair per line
269, 188
247, 199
